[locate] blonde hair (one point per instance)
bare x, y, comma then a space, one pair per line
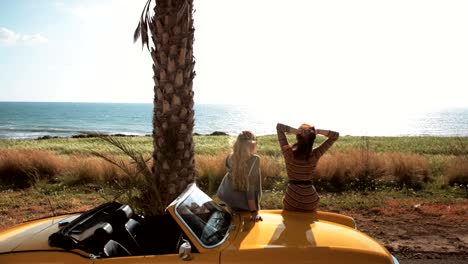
241, 154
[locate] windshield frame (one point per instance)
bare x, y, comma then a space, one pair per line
193, 191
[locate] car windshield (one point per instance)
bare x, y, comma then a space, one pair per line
207, 221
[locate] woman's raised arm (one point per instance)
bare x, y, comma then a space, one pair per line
281, 130
332, 136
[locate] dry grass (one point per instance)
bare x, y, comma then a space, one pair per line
336, 171
210, 170
17, 206
273, 173
352, 169
25, 168
82, 170
410, 170
271, 167
365, 170
21, 168
456, 171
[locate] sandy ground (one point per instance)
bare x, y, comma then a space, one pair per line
423, 233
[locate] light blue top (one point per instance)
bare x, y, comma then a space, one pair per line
238, 200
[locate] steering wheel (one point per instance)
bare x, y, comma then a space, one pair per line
213, 229
217, 234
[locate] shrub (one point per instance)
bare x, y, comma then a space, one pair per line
21, 168
365, 170
85, 170
408, 170
337, 171
456, 171
352, 169
273, 175
210, 170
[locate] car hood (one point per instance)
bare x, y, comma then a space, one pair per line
32, 235
296, 230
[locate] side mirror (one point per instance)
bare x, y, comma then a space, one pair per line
185, 251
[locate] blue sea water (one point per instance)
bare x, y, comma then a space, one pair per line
28, 120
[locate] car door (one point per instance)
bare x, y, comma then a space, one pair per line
196, 258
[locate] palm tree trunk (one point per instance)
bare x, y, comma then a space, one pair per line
172, 35
173, 116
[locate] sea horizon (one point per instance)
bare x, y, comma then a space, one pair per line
31, 120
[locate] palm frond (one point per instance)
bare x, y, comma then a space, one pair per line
136, 34
121, 146
141, 164
137, 167
142, 27
117, 162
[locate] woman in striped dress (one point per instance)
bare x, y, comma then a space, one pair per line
300, 160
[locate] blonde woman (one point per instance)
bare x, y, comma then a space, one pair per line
241, 188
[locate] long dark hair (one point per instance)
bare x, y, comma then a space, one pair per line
303, 147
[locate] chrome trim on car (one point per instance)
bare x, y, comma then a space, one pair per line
180, 200
182, 196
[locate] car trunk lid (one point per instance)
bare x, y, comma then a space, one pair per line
32, 235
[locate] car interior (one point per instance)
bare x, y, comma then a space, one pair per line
113, 230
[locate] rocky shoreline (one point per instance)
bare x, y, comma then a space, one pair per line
93, 135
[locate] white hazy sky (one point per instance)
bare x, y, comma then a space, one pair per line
354, 54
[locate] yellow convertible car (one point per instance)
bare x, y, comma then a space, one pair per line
197, 230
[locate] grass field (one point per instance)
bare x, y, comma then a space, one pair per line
358, 172
267, 145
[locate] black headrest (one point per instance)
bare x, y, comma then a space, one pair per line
115, 249
123, 214
105, 230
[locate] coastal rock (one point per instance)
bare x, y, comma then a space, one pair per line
215, 133
219, 133
46, 137
96, 135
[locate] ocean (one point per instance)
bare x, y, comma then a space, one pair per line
29, 120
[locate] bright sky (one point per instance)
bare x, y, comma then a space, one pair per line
395, 54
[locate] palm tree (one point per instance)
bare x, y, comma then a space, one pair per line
171, 31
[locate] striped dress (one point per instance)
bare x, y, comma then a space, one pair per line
301, 196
